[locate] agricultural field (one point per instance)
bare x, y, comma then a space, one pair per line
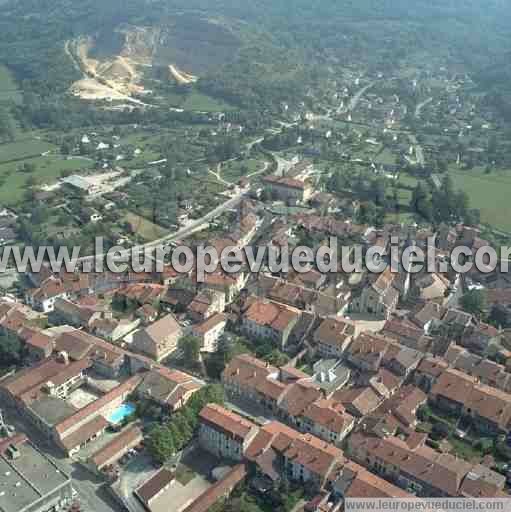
487, 192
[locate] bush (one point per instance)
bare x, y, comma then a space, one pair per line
484, 445
440, 431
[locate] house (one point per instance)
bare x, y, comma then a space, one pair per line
220, 490
479, 337
38, 344
112, 329
205, 304
428, 317
265, 319
355, 481
31, 481
225, 434
67, 312
279, 451
245, 376
451, 390
428, 371
158, 340
421, 471
401, 360
229, 284
116, 448
210, 331
367, 350
107, 359
43, 298
290, 190
400, 410
359, 401
170, 389
327, 420
83, 426
147, 314
333, 337
151, 489
380, 298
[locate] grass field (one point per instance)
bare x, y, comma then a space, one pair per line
145, 228
201, 102
48, 170
233, 171
9, 90
23, 148
488, 192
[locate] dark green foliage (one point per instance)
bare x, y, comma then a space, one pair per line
167, 439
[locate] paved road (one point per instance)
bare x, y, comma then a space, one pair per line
352, 105
178, 235
420, 106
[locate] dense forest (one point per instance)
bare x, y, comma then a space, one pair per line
282, 48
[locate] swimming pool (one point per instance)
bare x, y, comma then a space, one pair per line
123, 411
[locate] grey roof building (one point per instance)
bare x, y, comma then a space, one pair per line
30, 481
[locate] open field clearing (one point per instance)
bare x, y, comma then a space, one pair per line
48, 170
145, 228
488, 192
24, 147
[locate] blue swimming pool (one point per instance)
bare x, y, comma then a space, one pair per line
123, 411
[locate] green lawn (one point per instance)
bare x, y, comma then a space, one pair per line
24, 147
145, 228
233, 171
48, 170
9, 90
201, 102
487, 192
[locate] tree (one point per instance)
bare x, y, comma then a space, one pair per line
474, 302
10, 351
161, 443
500, 316
7, 126
190, 346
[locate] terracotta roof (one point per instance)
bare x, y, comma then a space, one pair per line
230, 423
94, 407
298, 397
248, 371
285, 182
454, 385
41, 341
148, 490
271, 314
432, 366
28, 382
368, 485
361, 401
334, 332
330, 415
130, 436
209, 324
162, 328
439, 470
491, 404
219, 490
84, 433
369, 348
